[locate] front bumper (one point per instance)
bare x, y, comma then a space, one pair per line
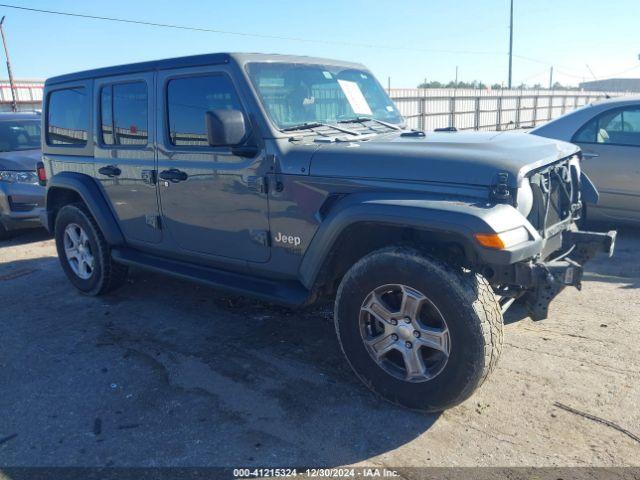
544, 280
21, 205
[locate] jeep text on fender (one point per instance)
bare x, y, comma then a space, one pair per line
294, 180
290, 239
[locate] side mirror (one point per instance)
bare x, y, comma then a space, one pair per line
225, 128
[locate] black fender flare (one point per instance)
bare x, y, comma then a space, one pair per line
455, 218
92, 196
589, 192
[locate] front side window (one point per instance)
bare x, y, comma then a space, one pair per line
16, 135
68, 117
295, 94
616, 127
124, 114
188, 101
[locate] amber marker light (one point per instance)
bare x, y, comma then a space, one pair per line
500, 241
490, 240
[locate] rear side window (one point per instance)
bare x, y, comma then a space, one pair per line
68, 117
123, 114
615, 127
188, 101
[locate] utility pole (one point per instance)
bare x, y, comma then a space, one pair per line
510, 43
14, 104
456, 76
551, 78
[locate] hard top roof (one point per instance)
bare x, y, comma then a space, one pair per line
194, 61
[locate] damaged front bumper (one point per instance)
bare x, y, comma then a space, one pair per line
544, 280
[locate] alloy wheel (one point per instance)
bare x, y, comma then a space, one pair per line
78, 251
404, 333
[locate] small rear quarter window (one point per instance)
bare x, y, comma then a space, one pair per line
68, 117
124, 114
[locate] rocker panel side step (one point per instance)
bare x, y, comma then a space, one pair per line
284, 292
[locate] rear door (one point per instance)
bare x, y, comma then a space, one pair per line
611, 158
214, 204
125, 153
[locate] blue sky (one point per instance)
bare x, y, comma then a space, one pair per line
429, 38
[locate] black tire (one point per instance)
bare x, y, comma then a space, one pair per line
106, 275
464, 299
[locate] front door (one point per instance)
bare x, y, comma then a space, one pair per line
125, 153
211, 199
611, 158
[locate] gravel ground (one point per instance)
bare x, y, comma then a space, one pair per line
168, 373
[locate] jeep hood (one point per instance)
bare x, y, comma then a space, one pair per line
452, 157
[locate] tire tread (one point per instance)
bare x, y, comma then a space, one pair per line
468, 287
113, 274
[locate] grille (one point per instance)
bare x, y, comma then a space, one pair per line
555, 192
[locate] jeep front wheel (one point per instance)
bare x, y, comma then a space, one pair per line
420, 333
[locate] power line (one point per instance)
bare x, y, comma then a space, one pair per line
290, 39
243, 34
539, 74
635, 67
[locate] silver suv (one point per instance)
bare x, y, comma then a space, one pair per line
21, 196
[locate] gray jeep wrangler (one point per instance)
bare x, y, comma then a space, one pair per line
296, 180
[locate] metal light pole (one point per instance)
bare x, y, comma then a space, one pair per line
510, 43
14, 104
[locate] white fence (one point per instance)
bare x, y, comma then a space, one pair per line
424, 109
468, 109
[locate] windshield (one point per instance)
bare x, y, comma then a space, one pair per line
298, 94
18, 135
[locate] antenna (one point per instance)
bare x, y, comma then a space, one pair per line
606, 95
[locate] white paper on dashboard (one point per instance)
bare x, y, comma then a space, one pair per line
355, 97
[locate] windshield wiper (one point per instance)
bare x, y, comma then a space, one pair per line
310, 125
364, 119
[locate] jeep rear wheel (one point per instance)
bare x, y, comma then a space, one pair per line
84, 254
420, 333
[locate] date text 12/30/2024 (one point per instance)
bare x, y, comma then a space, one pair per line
315, 472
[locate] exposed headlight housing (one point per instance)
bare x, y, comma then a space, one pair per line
503, 240
524, 199
19, 176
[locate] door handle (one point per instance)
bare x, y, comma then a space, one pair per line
590, 155
174, 175
110, 171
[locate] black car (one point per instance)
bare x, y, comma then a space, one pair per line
294, 180
21, 196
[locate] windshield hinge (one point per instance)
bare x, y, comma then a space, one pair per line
500, 189
258, 184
